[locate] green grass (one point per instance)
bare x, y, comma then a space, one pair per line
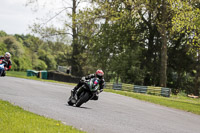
16, 74
14, 119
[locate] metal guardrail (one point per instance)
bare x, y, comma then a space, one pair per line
139, 89
165, 92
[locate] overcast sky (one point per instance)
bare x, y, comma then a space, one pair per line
15, 17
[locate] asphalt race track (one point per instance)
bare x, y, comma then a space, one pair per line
112, 113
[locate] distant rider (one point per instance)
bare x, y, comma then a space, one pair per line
6, 57
99, 74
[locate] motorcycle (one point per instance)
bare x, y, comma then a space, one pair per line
88, 91
3, 63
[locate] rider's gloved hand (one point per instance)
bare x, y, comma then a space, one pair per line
5, 68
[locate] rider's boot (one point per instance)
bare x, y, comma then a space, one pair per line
4, 73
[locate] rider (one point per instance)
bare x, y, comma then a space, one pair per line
6, 57
99, 74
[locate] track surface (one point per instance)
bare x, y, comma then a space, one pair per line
112, 113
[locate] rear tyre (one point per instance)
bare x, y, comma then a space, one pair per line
83, 99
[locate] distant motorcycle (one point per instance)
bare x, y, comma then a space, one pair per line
88, 91
3, 63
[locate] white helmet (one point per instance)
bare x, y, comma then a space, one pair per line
7, 56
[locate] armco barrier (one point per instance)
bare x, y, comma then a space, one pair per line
117, 86
140, 89
152, 90
165, 92
127, 87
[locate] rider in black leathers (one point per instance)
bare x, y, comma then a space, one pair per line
99, 74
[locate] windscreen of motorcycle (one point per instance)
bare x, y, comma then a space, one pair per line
94, 84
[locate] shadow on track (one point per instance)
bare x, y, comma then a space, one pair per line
78, 107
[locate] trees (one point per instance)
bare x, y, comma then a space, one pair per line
142, 42
187, 21
163, 33
50, 31
3, 48
17, 50
2, 33
30, 52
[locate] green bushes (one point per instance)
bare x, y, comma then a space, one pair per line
30, 52
2, 48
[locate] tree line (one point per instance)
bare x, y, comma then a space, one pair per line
143, 42
30, 52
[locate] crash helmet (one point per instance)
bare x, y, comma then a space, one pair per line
99, 74
7, 56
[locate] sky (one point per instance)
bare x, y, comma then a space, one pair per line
16, 17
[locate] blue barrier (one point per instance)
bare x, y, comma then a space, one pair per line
139, 89
117, 86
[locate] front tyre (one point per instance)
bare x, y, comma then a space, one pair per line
83, 99
70, 103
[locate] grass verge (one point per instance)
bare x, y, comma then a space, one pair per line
14, 119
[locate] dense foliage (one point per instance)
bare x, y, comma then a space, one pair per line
144, 42
30, 52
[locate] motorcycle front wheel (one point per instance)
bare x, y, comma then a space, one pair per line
70, 102
83, 99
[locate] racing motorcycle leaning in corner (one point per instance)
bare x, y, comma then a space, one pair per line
87, 89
